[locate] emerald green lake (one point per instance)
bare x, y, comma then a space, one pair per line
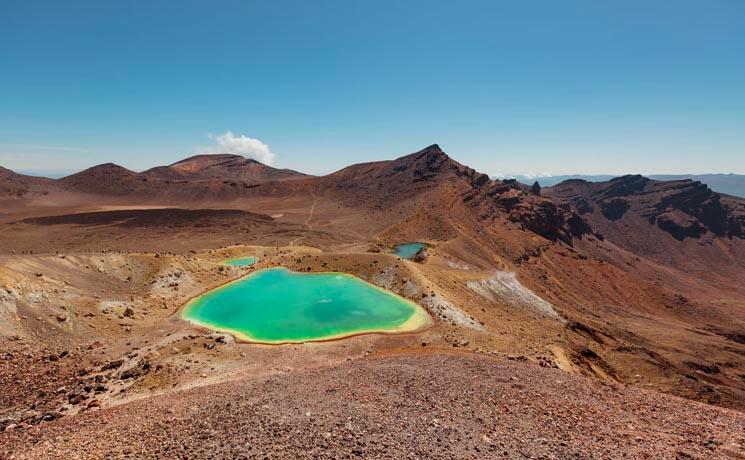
277, 305
408, 250
240, 262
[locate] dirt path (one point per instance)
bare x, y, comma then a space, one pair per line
306, 223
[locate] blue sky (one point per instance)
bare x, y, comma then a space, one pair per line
505, 87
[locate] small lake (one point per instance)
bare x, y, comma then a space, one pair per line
408, 250
240, 262
276, 305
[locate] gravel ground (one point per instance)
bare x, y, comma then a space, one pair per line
408, 406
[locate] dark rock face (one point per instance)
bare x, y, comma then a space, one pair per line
539, 215
683, 209
703, 209
544, 219
583, 206
535, 189
420, 256
614, 208
428, 163
578, 226
624, 186
680, 225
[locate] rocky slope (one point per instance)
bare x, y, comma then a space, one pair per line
433, 180
588, 279
728, 184
683, 209
104, 179
682, 224
425, 406
233, 167
13, 184
159, 185
201, 177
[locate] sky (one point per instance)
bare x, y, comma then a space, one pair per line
528, 87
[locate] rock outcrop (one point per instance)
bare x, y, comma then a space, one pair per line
683, 209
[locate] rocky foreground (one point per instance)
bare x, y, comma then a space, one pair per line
408, 406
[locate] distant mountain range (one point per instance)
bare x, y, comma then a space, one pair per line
218, 176
646, 275
205, 173
573, 207
730, 184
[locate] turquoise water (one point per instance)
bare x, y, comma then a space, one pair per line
277, 305
409, 250
240, 262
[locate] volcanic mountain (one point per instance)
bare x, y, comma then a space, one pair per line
443, 195
201, 177
682, 224
682, 208
728, 184
630, 282
108, 178
14, 184
233, 167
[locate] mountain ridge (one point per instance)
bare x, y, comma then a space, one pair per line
233, 167
611, 280
727, 183
384, 183
16, 184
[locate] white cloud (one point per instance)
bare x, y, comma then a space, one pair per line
245, 146
538, 175
529, 175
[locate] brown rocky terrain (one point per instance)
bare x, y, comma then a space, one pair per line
682, 225
412, 406
683, 209
14, 184
202, 177
233, 167
592, 282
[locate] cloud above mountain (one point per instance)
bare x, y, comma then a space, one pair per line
245, 146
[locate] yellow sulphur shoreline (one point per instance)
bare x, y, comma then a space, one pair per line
419, 321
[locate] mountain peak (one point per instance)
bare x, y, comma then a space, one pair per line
235, 167
211, 158
103, 170
629, 184
431, 150
431, 154
13, 183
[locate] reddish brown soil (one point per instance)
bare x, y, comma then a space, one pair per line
423, 406
642, 281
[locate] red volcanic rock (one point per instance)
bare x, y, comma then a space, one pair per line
107, 178
680, 225
683, 209
14, 184
203, 177
232, 167
172, 174
383, 184
426, 406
